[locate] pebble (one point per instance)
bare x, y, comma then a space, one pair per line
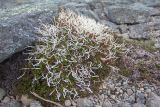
14, 104
121, 91
35, 104
129, 92
67, 103
73, 103
142, 89
6, 99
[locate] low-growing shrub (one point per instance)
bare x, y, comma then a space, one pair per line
71, 55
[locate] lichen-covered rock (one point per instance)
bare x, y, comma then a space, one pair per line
128, 14
17, 25
84, 102
153, 100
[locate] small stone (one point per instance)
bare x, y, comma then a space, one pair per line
125, 95
112, 87
148, 90
15, 104
113, 97
153, 100
132, 99
35, 104
84, 102
140, 98
142, 89
126, 104
73, 103
117, 93
107, 103
25, 100
6, 99
121, 91
104, 86
129, 92
2, 93
67, 103
101, 97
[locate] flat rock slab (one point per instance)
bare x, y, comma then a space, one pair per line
130, 14
18, 24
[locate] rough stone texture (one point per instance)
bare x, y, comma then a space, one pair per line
35, 104
84, 102
138, 105
13, 104
2, 93
106, 103
67, 103
19, 20
144, 31
17, 25
128, 14
153, 100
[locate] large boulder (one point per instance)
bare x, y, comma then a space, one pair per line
18, 25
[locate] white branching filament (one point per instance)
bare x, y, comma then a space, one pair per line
70, 52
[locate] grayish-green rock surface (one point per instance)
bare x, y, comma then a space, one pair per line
18, 24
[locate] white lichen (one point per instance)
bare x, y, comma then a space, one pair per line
70, 52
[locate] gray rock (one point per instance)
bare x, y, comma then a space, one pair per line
128, 14
140, 97
129, 92
110, 24
140, 31
153, 100
67, 103
123, 28
84, 102
17, 25
107, 103
35, 104
138, 105
157, 43
13, 104
74, 5
148, 2
83, 9
89, 13
2, 93
123, 104
144, 31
